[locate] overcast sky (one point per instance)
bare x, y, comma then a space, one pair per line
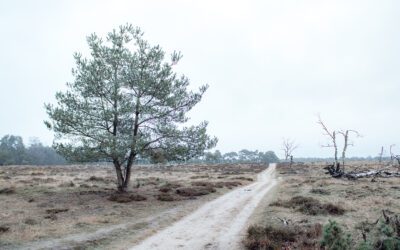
272, 66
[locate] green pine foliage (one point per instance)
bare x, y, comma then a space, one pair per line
334, 238
126, 101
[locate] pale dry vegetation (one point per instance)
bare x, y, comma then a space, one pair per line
39, 204
307, 198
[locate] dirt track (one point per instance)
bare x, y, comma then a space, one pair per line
218, 224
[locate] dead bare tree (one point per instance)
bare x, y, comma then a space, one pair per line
333, 144
288, 146
391, 153
393, 156
381, 155
347, 143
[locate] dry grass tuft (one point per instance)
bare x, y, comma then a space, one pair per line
9, 190
4, 229
283, 237
243, 178
56, 210
310, 206
165, 197
30, 221
95, 178
126, 197
320, 191
195, 191
268, 237
67, 184
200, 177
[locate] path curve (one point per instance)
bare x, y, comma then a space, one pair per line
218, 224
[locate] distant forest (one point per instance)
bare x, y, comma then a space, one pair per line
14, 152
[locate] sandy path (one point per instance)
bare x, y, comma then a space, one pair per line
218, 224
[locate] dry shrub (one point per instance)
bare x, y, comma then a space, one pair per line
4, 229
37, 173
44, 180
203, 184
126, 197
310, 206
283, 237
268, 237
231, 184
334, 209
165, 189
67, 184
165, 197
95, 178
219, 184
243, 178
195, 191
320, 191
30, 221
56, 210
51, 217
9, 190
199, 177
148, 181
169, 186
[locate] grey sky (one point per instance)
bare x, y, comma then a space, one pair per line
272, 66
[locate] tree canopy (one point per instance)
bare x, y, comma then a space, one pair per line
126, 101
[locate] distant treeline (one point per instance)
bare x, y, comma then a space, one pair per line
243, 156
330, 159
14, 152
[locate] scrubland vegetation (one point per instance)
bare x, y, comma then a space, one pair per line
77, 206
312, 210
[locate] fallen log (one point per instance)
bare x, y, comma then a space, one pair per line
353, 175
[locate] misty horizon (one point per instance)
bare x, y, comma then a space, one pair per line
272, 68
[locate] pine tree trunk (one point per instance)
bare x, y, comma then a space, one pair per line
120, 177
127, 177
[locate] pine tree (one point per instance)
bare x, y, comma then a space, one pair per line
126, 101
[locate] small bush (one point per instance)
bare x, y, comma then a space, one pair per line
125, 198
4, 229
268, 237
37, 173
195, 191
284, 237
44, 180
365, 245
30, 221
51, 217
202, 184
231, 184
165, 197
243, 178
10, 190
67, 184
199, 177
56, 210
95, 178
334, 238
320, 191
310, 206
165, 188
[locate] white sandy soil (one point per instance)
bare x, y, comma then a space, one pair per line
219, 224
